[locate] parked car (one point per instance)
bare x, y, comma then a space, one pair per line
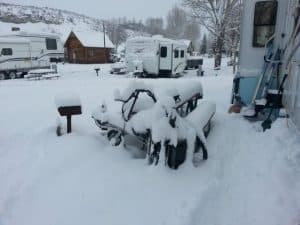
118, 68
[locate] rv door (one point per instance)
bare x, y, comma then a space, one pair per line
166, 57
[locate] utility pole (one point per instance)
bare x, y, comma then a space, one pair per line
104, 42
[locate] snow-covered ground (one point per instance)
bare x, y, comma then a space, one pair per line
250, 177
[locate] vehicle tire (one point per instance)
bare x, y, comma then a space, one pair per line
12, 75
175, 156
2, 76
114, 137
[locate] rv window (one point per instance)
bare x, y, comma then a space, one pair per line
6, 51
264, 22
176, 53
163, 52
182, 53
51, 44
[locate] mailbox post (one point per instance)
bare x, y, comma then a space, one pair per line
69, 107
97, 71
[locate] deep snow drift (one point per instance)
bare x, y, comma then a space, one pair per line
250, 177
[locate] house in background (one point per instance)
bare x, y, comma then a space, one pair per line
189, 44
88, 48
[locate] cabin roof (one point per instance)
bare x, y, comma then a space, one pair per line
93, 39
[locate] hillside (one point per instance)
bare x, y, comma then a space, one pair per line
44, 19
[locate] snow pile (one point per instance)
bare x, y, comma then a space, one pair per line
134, 85
201, 115
65, 100
189, 89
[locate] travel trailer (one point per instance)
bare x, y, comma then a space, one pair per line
21, 52
268, 77
156, 56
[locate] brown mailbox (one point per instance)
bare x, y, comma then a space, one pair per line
69, 111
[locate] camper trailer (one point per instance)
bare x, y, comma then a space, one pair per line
268, 76
21, 52
156, 56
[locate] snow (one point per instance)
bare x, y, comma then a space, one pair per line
41, 71
65, 100
189, 89
262, 101
118, 65
186, 42
28, 34
191, 57
202, 114
154, 38
93, 39
250, 177
248, 111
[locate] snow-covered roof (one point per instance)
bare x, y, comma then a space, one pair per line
186, 42
13, 40
28, 34
157, 38
93, 39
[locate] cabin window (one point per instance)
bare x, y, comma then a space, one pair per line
182, 54
51, 44
6, 51
176, 53
163, 52
264, 22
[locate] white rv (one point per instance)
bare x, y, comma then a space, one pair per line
21, 52
156, 56
269, 51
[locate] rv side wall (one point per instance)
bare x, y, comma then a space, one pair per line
292, 88
19, 59
251, 57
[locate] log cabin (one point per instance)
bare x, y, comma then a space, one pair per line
88, 48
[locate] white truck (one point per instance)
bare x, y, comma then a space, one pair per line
155, 56
21, 52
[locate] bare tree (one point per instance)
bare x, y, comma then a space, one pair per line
176, 22
155, 25
204, 45
192, 31
218, 17
116, 32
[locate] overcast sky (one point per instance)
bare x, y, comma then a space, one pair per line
139, 9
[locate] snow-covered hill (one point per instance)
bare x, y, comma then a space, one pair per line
44, 19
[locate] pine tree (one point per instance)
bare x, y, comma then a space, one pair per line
203, 46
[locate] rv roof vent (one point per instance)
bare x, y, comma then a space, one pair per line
15, 29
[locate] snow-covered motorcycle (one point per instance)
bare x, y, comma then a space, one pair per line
174, 125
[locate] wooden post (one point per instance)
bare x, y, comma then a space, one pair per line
104, 43
69, 124
68, 111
